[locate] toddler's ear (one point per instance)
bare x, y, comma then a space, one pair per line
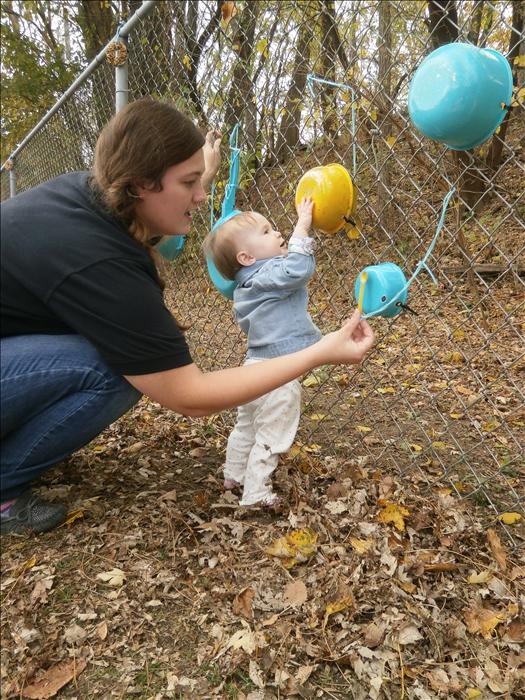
245, 259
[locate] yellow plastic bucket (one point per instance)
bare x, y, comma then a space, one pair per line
330, 187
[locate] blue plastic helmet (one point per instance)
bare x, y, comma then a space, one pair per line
383, 285
459, 95
224, 286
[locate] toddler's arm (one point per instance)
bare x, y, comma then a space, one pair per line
304, 218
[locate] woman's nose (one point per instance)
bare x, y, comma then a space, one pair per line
200, 195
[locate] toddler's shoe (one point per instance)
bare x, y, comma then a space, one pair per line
231, 485
271, 502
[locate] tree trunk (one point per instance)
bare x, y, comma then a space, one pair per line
442, 22
329, 43
516, 40
475, 22
97, 22
240, 103
384, 88
288, 137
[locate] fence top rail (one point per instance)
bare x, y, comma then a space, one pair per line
123, 31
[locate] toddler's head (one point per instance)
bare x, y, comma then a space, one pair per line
241, 241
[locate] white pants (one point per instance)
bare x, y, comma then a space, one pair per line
265, 428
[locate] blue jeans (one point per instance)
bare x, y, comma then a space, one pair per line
57, 394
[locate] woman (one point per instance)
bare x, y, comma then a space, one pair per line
85, 330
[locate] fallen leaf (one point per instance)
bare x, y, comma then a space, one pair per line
472, 693
72, 516
336, 491
242, 603
132, 449
256, 675
115, 577
39, 594
243, 639
482, 577
497, 549
344, 601
408, 634
295, 593
303, 674
374, 634
312, 380
392, 513
516, 631
510, 518
53, 679
294, 548
482, 620
361, 546
75, 634
198, 452
270, 620
102, 630
169, 496
26, 565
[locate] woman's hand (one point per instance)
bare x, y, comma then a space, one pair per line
349, 344
212, 158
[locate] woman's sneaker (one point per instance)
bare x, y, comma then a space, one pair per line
29, 512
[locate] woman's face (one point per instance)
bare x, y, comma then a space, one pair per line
168, 212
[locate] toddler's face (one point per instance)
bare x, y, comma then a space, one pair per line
263, 241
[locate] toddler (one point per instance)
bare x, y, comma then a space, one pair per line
270, 304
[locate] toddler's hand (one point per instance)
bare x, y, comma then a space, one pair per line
304, 213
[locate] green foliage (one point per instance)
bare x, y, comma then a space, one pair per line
33, 78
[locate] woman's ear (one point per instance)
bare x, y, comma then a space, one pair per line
245, 259
139, 189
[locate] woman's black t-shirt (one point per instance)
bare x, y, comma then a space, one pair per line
69, 267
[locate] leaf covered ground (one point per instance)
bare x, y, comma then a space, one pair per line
164, 587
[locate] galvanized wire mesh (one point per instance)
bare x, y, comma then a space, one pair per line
441, 398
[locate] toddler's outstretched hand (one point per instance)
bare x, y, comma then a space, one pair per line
304, 214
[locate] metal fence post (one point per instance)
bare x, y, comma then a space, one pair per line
121, 82
12, 182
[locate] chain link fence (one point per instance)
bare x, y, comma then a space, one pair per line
441, 398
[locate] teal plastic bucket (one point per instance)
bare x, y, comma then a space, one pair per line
224, 286
382, 286
172, 247
459, 95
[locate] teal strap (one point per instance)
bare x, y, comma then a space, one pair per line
230, 191
310, 78
212, 200
423, 262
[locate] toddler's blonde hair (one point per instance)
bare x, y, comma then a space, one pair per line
223, 244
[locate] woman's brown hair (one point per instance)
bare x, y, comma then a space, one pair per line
138, 145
